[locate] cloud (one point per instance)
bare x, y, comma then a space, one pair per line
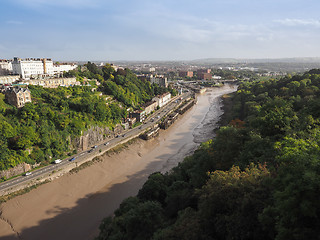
60, 3
14, 22
292, 22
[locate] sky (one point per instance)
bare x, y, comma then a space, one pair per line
105, 30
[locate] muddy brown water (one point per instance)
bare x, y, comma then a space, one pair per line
73, 206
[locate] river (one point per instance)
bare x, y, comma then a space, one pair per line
73, 206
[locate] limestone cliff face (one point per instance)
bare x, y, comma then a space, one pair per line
89, 138
21, 168
93, 136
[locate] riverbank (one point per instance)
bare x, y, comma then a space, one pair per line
226, 107
72, 206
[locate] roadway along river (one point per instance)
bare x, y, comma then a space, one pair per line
72, 206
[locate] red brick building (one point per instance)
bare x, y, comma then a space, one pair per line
186, 74
205, 76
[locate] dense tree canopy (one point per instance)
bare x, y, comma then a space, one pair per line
40, 131
258, 179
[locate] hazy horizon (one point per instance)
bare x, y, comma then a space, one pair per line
140, 30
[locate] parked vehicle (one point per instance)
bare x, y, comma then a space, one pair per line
57, 161
72, 159
95, 146
28, 173
107, 143
91, 150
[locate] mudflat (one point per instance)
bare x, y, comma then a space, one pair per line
73, 206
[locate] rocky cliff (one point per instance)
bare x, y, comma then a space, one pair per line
89, 138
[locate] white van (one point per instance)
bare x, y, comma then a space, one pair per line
57, 161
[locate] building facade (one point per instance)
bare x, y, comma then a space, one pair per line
150, 106
32, 68
63, 67
186, 74
203, 71
5, 67
162, 99
138, 115
161, 81
18, 96
205, 76
9, 79
53, 82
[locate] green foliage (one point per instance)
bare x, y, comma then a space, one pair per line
231, 201
128, 89
41, 130
154, 189
258, 179
138, 221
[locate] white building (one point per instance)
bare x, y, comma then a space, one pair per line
64, 67
162, 99
8, 79
32, 68
5, 67
53, 82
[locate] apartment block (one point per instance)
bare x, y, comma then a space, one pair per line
161, 81
32, 68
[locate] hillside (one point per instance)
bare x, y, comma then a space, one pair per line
258, 179
41, 131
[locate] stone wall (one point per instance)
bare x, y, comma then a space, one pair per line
19, 169
89, 138
93, 136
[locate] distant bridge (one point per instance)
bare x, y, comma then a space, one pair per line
227, 80
219, 81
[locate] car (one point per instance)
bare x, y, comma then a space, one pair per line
91, 150
28, 173
117, 136
140, 127
95, 146
107, 143
123, 135
72, 159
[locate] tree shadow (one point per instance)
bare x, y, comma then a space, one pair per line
81, 221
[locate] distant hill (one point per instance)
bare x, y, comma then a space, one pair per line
260, 60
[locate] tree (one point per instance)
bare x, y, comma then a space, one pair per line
140, 222
231, 201
154, 189
295, 212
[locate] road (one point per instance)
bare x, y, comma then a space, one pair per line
104, 146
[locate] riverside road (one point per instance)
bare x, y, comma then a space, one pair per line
89, 154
